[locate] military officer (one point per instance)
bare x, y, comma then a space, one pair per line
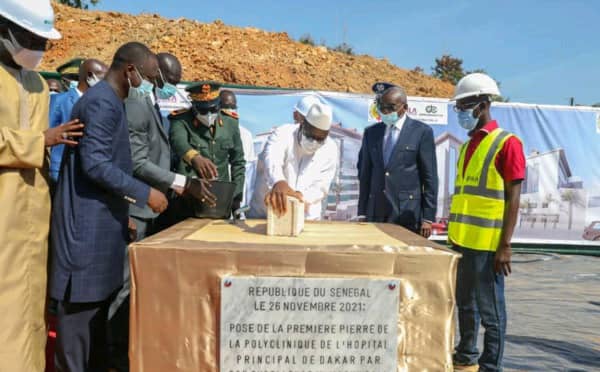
207, 142
69, 73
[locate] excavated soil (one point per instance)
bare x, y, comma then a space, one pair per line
215, 51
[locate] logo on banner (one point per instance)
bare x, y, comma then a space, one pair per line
373, 116
431, 109
429, 112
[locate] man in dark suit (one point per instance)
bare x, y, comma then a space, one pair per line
398, 175
151, 156
89, 227
91, 72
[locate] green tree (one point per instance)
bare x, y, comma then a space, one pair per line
82, 4
448, 68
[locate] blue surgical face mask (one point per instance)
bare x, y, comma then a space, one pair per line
466, 119
142, 91
167, 91
389, 119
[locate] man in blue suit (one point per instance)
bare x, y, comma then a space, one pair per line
89, 228
398, 169
91, 72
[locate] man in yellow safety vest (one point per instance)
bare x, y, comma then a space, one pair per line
483, 214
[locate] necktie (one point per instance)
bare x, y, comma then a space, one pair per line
388, 147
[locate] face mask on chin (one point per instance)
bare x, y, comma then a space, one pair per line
26, 58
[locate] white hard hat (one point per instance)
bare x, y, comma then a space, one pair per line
305, 103
319, 116
36, 16
475, 84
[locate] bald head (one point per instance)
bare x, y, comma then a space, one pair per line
90, 68
170, 67
395, 94
133, 53
228, 99
127, 67
393, 100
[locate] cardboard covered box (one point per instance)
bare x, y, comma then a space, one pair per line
179, 274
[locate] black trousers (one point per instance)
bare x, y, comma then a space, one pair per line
118, 313
81, 337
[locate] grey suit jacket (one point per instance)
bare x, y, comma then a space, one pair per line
150, 150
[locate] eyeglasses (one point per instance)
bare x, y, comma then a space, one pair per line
307, 133
466, 106
386, 108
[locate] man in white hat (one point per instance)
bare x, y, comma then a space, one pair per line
302, 106
25, 27
298, 160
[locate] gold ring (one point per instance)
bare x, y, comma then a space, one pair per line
65, 135
203, 200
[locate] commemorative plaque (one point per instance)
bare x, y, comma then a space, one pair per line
296, 324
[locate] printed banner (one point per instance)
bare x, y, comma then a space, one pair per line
428, 111
560, 200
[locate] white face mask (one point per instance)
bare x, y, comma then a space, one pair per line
26, 58
92, 80
208, 119
310, 146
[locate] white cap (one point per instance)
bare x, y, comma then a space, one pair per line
476, 84
36, 16
305, 103
320, 116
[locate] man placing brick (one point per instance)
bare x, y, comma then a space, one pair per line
298, 160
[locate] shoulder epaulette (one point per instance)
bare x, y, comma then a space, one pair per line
177, 113
231, 114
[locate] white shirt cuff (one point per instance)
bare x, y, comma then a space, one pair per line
179, 181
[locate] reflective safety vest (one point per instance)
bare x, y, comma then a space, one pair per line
477, 209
